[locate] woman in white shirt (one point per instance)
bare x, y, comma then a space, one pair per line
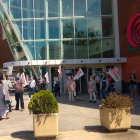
32, 85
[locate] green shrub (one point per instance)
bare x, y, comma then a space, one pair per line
43, 102
117, 101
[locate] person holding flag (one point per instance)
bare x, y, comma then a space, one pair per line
68, 87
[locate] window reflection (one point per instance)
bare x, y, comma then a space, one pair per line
53, 8
107, 27
41, 50
68, 29
29, 47
93, 7
106, 7
80, 8
54, 29
95, 48
81, 49
15, 6
67, 6
68, 49
18, 27
55, 50
18, 53
27, 7
81, 28
108, 47
94, 27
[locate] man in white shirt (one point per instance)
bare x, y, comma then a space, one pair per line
32, 85
97, 79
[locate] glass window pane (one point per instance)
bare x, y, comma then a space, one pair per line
18, 53
41, 50
106, 7
80, 8
27, 6
81, 49
41, 31
40, 10
67, 6
93, 7
81, 28
108, 47
68, 29
15, 7
55, 49
28, 30
54, 29
18, 28
94, 27
29, 47
95, 48
10, 34
68, 49
107, 27
6, 5
53, 8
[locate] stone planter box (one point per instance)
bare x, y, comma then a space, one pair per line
45, 125
115, 120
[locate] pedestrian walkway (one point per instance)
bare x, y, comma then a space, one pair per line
77, 121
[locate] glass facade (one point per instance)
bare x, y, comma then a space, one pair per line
59, 29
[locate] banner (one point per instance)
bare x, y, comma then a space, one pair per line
9, 70
60, 71
47, 77
23, 78
78, 74
73, 86
114, 74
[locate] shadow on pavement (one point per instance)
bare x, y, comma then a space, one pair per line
135, 127
97, 129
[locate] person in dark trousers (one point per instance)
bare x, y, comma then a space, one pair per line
104, 85
19, 85
57, 88
97, 79
111, 81
77, 87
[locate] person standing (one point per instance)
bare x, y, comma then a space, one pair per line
3, 108
41, 83
68, 87
77, 87
92, 89
104, 85
97, 79
19, 87
133, 86
57, 88
32, 85
111, 81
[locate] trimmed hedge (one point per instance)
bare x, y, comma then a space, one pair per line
43, 102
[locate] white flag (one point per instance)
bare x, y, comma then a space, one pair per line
23, 78
60, 71
80, 73
47, 77
73, 86
114, 74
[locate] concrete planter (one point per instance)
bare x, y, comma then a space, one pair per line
114, 119
45, 125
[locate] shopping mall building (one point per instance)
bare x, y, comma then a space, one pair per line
37, 36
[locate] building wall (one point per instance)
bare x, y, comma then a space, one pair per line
126, 9
5, 52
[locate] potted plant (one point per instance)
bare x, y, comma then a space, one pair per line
115, 112
45, 110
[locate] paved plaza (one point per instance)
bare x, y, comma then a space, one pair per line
77, 121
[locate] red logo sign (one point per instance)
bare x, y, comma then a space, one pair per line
133, 31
